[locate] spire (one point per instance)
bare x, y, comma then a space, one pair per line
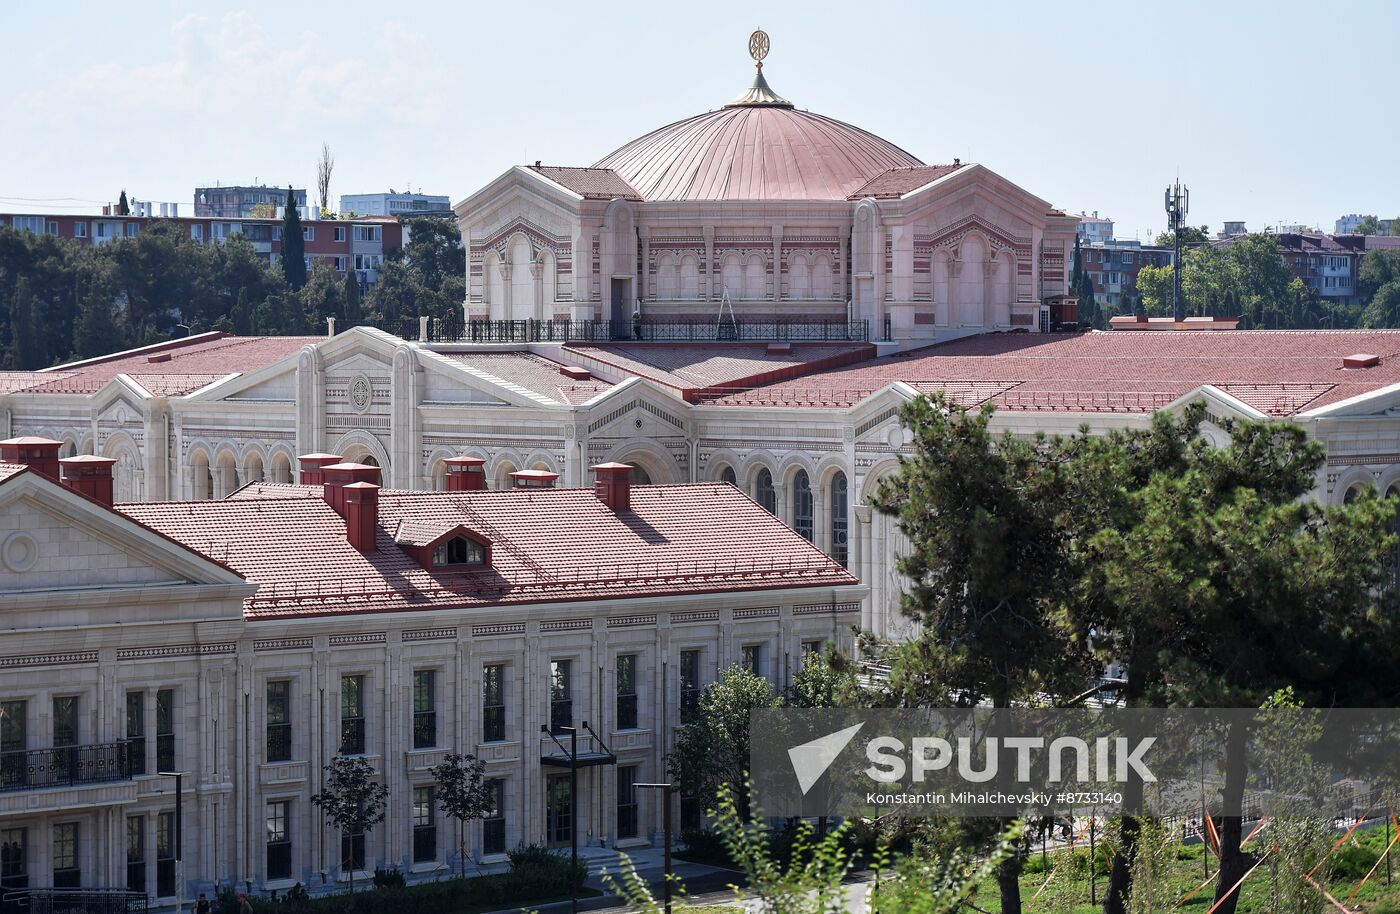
759, 93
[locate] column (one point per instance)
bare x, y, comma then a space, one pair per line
645, 293
777, 263
709, 288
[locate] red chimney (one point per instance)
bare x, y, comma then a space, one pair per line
361, 514
614, 485
533, 479
311, 466
340, 475
90, 475
39, 454
465, 474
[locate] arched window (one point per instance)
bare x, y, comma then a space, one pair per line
522, 281
201, 479
225, 475
638, 476
732, 276
493, 286
799, 278
764, 493
754, 278
368, 460
802, 506
667, 278
821, 278
503, 475
459, 551
840, 541
690, 278
727, 475
253, 467
281, 468
1352, 493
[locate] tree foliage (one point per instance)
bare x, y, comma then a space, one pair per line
461, 793
712, 745
352, 799
293, 244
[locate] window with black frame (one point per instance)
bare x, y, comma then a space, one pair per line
279, 720
840, 537
165, 855
493, 824
561, 703
690, 680
165, 730
493, 703
352, 716
626, 691
352, 851
627, 801
14, 867
65, 737
424, 710
424, 825
136, 733
14, 743
136, 854
66, 871
279, 839
802, 514
764, 493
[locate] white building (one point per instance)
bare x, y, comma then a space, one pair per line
395, 203
1093, 229
248, 641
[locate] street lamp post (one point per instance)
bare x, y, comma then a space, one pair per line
666, 827
179, 836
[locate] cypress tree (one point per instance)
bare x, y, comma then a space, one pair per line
96, 332
123, 208
351, 296
293, 244
242, 317
24, 331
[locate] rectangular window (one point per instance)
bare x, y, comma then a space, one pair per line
165, 730
14, 869
340, 233
561, 702
33, 224
80, 229
13, 743
279, 720
493, 703
627, 801
424, 712
197, 232
132, 229
352, 851
165, 855
493, 824
308, 233
690, 680
279, 840
136, 732
352, 716
751, 658
626, 691
66, 873
424, 825
51, 227
366, 233
811, 647
65, 736
136, 854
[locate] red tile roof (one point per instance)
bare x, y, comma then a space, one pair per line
167, 369
8, 470
534, 373
1278, 372
590, 183
897, 182
547, 545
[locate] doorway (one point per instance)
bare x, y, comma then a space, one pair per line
621, 313
558, 810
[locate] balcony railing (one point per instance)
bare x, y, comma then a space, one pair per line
63, 767
452, 330
77, 901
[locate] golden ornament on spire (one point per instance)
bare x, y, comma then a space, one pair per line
758, 46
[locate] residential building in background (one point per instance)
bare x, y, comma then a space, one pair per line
1349, 223
394, 203
1329, 264
1114, 266
360, 244
242, 200
1093, 228
1232, 229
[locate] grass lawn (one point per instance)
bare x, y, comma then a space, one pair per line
1068, 891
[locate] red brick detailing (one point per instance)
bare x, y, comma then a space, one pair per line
39, 454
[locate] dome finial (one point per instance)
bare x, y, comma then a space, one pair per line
759, 94
758, 46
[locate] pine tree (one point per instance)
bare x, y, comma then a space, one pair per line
242, 316
293, 244
23, 329
350, 296
96, 332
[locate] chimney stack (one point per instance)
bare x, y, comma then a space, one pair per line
533, 479
90, 475
39, 454
340, 475
312, 466
614, 485
465, 474
361, 514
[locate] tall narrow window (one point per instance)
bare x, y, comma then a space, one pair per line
13, 743
165, 855
840, 541
279, 840
627, 801
279, 720
727, 475
561, 703
493, 703
352, 718
14, 868
424, 825
66, 872
352, 851
493, 824
136, 854
165, 730
136, 732
690, 680
424, 711
802, 506
751, 658
626, 691
65, 737
764, 493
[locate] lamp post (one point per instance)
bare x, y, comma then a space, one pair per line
666, 827
179, 836
1178, 204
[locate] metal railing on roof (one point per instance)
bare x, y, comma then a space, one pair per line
452, 330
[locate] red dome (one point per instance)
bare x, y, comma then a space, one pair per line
755, 152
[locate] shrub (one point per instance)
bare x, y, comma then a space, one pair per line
1352, 861
704, 846
388, 878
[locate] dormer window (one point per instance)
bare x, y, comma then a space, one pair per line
459, 551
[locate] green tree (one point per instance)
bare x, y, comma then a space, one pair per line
350, 298
712, 745
462, 795
24, 330
1191, 236
826, 679
1368, 226
123, 209
352, 801
321, 297
293, 244
97, 332
433, 249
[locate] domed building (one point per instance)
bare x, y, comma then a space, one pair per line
773, 212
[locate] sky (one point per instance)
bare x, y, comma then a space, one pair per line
1270, 112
